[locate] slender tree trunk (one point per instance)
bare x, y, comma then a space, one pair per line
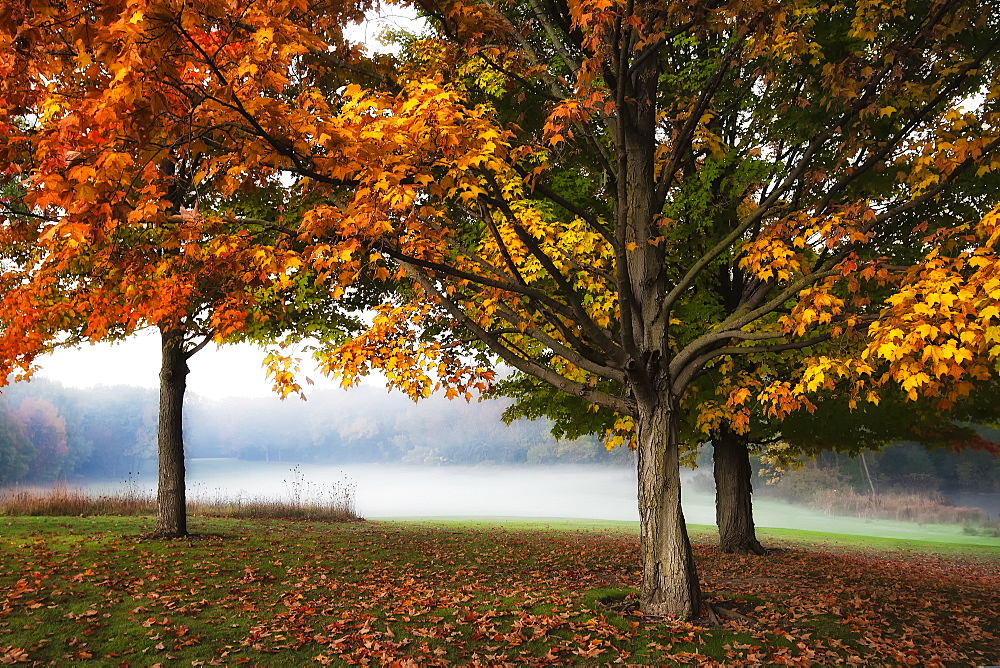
171, 510
868, 474
733, 503
669, 575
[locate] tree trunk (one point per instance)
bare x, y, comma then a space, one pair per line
669, 575
171, 510
733, 503
868, 474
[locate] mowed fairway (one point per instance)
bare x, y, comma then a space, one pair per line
434, 593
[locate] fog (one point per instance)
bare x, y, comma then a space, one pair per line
555, 491
438, 458
387, 490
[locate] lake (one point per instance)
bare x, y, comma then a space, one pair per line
558, 491
381, 491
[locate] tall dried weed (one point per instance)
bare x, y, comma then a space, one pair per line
310, 501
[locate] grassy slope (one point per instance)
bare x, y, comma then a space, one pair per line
464, 591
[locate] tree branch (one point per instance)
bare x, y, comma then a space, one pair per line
588, 362
683, 376
448, 270
530, 367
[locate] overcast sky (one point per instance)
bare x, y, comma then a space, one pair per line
216, 372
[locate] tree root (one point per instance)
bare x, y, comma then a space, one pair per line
745, 548
711, 615
716, 611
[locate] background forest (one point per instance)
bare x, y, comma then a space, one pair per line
49, 432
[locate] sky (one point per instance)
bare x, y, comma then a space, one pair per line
216, 372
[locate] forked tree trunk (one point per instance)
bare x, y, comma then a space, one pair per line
733, 490
171, 511
669, 575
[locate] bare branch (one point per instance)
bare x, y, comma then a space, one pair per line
206, 339
530, 367
683, 376
682, 143
448, 270
589, 361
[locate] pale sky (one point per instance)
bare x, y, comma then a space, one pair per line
215, 371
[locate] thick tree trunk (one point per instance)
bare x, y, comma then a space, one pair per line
669, 575
171, 511
733, 503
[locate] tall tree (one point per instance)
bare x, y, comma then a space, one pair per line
779, 149
808, 155
165, 248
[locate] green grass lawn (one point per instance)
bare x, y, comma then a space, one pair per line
492, 592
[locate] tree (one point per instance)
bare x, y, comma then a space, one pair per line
789, 145
16, 450
809, 156
46, 430
164, 247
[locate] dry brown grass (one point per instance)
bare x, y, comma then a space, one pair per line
62, 499
335, 503
904, 506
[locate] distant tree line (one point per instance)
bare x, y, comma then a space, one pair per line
49, 432
898, 467
909, 467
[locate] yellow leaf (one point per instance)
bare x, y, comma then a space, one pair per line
740, 396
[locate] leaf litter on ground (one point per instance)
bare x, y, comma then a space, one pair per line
300, 593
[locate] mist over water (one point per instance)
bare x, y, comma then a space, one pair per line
554, 491
391, 490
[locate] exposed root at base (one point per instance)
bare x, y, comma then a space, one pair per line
715, 612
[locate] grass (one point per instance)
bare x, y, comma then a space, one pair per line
955, 544
282, 592
65, 500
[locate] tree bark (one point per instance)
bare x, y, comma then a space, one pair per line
171, 508
733, 490
669, 575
